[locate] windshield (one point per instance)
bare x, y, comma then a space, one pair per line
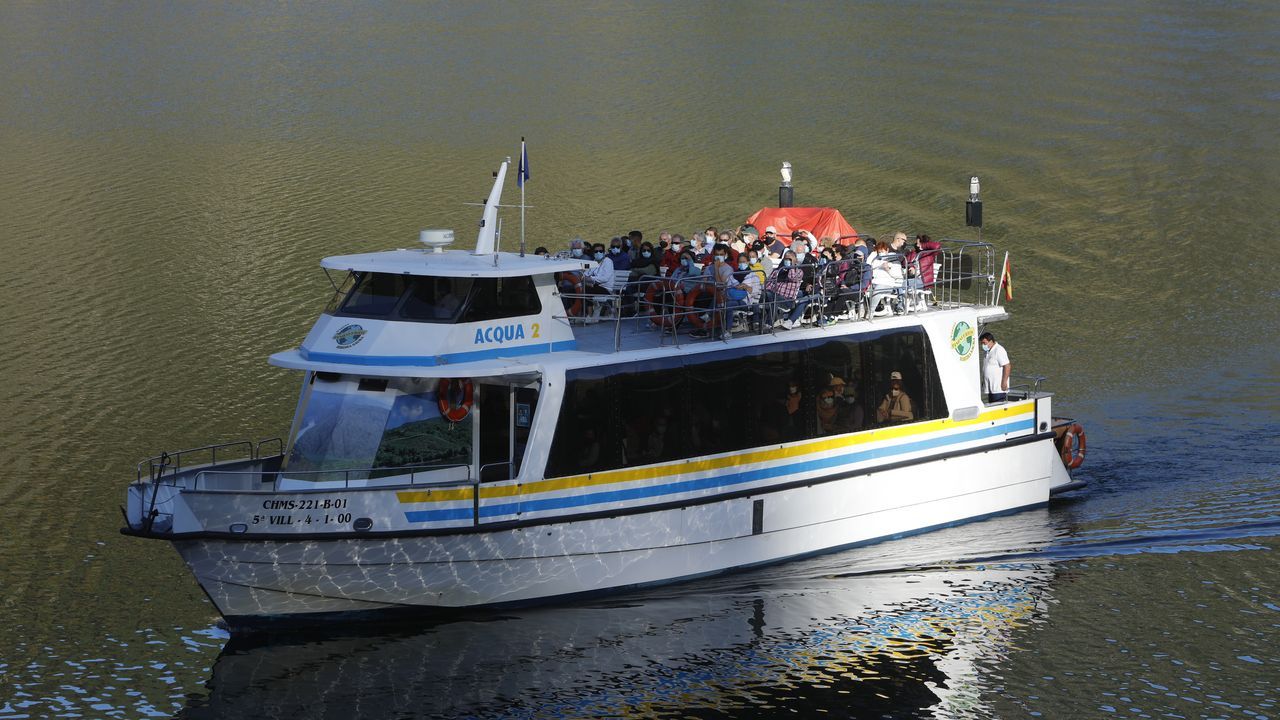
436, 299
355, 429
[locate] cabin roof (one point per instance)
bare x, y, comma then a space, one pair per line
451, 263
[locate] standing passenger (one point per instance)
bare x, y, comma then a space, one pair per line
995, 369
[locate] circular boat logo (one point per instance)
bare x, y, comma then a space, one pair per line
348, 336
962, 339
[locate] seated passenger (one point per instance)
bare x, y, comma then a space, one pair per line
896, 406
645, 264
783, 286
671, 256
923, 257
757, 266
620, 257
599, 279
886, 273
829, 410
748, 280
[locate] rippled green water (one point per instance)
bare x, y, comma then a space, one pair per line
170, 176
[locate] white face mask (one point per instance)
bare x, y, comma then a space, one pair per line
599, 256
576, 252
828, 401
744, 265
895, 392
646, 253
615, 250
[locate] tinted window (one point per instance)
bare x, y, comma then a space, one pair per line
440, 299
375, 294
497, 298
436, 299
677, 408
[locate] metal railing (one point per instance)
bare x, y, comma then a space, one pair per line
172, 461
963, 274
1029, 386
370, 474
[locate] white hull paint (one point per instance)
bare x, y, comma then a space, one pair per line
260, 580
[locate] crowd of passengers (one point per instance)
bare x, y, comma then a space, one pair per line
721, 275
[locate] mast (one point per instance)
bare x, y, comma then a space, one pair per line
487, 238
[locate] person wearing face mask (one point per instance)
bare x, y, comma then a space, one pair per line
645, 264
620, 257
599, 279
995, 369
643, 269
719, 280
782, 288
757, 267
688, 273
761, 256
671, 257
773, 243
896, 405
830, 407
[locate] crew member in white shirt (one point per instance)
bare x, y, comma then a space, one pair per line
995, 369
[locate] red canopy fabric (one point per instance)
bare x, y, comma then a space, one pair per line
822, 222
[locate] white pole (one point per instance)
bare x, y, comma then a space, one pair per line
523, 160
995, 294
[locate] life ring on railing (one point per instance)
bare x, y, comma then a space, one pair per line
655, 297
692, 310
1073, 444
451, 389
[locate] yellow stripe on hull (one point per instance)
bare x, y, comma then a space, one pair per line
680, 468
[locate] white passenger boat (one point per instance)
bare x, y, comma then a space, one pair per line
461, 441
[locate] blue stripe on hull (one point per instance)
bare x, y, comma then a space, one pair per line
715, 481
445, 359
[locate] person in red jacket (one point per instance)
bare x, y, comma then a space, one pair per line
671, 258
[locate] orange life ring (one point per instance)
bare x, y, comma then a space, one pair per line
445, 393
653, 296
691, 308
1073, 444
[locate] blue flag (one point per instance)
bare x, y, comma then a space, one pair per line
522, 174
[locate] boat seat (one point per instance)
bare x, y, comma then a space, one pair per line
613, 299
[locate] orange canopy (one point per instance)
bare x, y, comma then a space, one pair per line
822, 222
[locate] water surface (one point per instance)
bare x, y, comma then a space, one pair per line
172, 175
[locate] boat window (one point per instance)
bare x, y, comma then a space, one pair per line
497, 298
677, 408
436, 299
347, 434
440, 299
375, 295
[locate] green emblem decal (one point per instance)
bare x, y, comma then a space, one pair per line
962, 340
349, 335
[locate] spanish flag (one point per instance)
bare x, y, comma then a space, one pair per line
1006, 278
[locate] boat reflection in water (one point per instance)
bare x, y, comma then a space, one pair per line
862, 631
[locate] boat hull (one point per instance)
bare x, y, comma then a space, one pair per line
263, 581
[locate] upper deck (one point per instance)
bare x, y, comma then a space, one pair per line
418, 313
